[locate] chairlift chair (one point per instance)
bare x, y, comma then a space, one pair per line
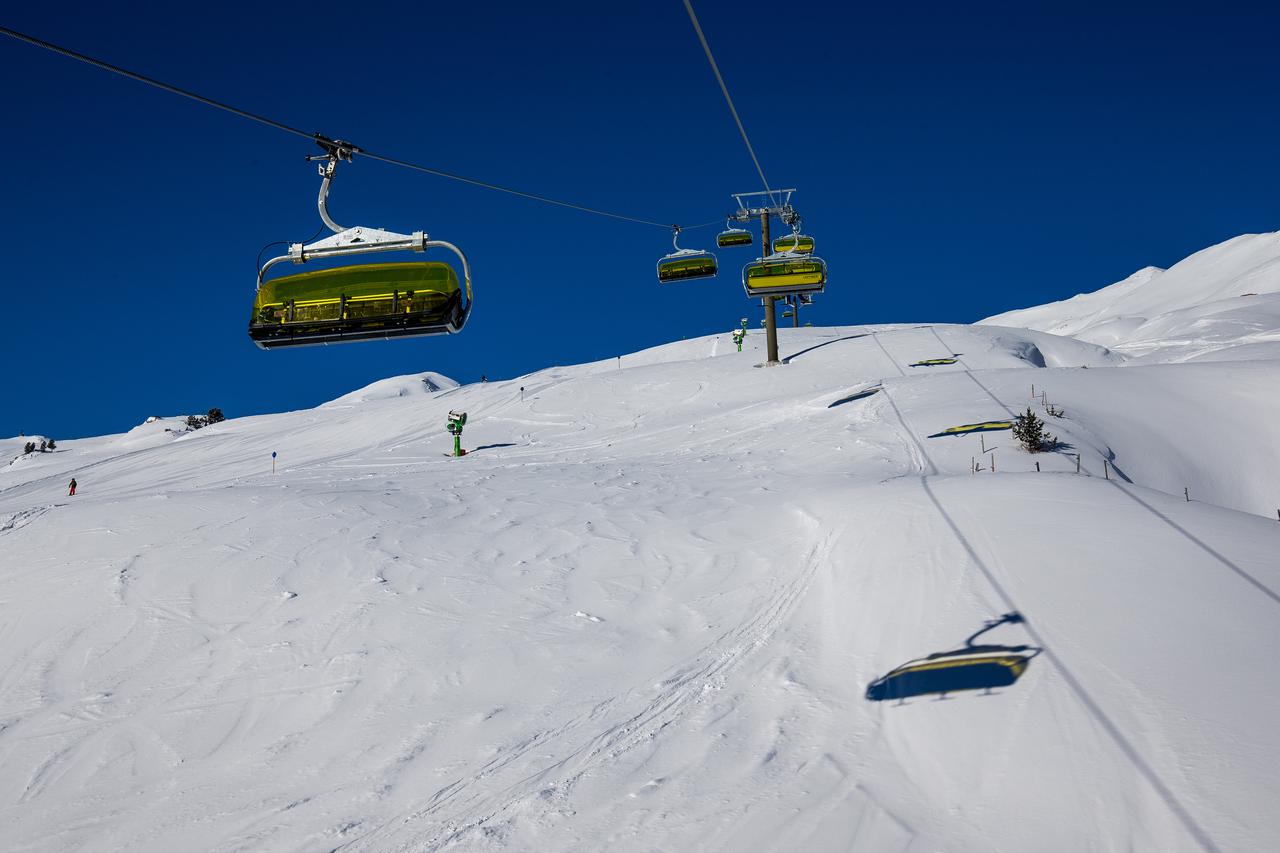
797, 243
781, 274
731, 237
358, 302
685, 264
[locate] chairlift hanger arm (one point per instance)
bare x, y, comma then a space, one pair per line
327, 171
1012, 618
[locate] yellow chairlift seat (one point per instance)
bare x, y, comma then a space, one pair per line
685, 265
734, 237
799, 243
353, 303
774, 276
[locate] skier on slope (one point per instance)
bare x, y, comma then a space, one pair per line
71, 488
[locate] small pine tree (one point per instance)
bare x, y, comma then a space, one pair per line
1030, 432
29, 447
53, 445
44, 446
214, 416
195, 422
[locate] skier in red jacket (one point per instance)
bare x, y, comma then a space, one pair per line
71, 489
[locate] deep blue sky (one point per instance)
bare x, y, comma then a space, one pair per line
953, 161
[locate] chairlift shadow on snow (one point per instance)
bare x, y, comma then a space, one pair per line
1111, 461
857, 395
970, 667
490, 447
968, 429
787, 359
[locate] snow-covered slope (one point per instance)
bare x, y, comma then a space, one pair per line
1201, 307
644, 611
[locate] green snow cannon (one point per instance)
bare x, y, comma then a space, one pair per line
457, 420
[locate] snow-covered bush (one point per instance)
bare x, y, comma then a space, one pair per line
213, 416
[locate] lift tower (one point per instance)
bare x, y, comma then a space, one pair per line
765, 204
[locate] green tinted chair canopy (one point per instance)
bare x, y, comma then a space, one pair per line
775, 277
686, 265
793, 243
361, 302
734, 237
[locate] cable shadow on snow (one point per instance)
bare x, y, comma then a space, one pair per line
1257, 584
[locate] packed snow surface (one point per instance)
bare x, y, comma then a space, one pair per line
643, 612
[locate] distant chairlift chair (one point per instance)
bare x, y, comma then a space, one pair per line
685, 264
733, 236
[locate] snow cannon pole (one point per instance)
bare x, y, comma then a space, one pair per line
457, 420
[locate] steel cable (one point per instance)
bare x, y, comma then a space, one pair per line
317, 137
725, 89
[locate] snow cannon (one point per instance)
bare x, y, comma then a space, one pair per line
740, 335
457, 420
